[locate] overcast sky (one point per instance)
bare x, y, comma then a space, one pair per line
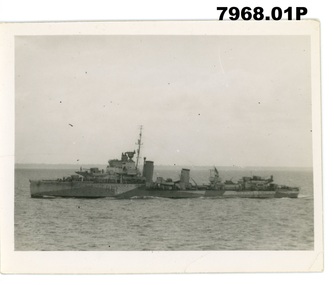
202, 100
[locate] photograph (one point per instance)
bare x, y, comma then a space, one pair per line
148, 138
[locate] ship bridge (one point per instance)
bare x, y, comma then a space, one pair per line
124, 166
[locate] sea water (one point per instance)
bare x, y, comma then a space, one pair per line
165, 224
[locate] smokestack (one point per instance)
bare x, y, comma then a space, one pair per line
184, 179
148, 170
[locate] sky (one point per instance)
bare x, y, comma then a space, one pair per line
202, 100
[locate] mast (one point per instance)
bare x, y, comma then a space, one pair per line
139, 145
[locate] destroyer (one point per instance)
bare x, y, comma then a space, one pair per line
123, 179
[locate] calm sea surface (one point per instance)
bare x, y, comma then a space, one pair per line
165, 224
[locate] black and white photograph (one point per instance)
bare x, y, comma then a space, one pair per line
141, 138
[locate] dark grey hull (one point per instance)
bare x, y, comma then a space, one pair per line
86, 189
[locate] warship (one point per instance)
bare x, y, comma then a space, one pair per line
122, 179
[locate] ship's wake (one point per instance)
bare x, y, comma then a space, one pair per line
146, 197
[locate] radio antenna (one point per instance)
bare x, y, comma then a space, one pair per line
139, 145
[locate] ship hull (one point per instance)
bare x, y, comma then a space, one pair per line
249, 194
262, 194
78, 189
87, 189
287, 193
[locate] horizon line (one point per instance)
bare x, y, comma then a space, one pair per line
169, 165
